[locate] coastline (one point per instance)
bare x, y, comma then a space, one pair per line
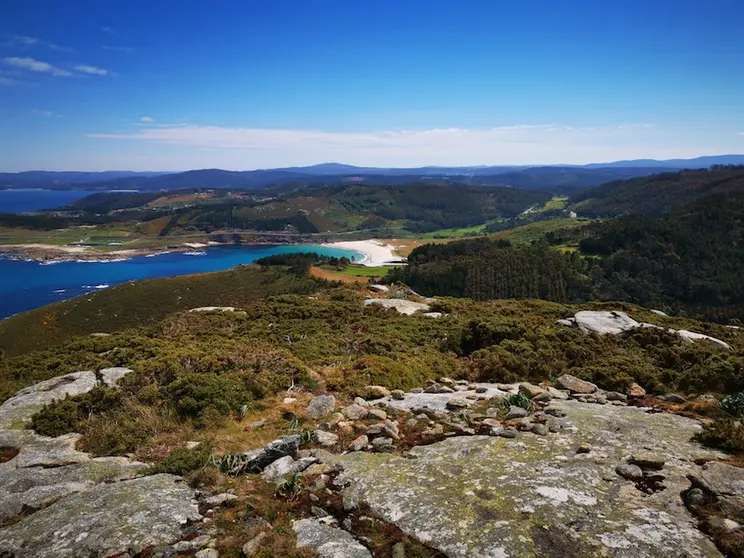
376, 253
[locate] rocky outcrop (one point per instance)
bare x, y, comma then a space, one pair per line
116, 518
575, 385
726, 484
473, 496
328, 542
406, 307
321, 405
17, 411
614, 323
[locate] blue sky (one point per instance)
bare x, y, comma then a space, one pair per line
165, 85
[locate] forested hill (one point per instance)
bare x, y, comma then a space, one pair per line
691, 261
659, 193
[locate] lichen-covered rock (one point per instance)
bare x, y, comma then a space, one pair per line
17, 411
32, 488
536, 496
636, 391
374, 392
328, 542
112, 519
321, 405
40, 451
355, 412
286, 445
285, 466
726, 483
326, 439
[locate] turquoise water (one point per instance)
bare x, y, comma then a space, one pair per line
25, 285
19, 201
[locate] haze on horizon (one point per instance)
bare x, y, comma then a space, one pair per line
172, 86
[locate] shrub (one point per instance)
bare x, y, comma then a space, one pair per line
726, 434
183, 461
517, 400
68, 415
733, 404
192, 394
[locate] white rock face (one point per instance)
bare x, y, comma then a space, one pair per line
214, 309
379, 288
439, 401
328, 542
111, 376
614, 323
402, 306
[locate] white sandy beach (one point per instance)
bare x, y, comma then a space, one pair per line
377, 252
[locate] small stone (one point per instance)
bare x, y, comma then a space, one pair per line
377, 413
724, 524
391, 429
481, 389
457, 404
318, 512
321, 405
674, 398
399, 550
191, 445
558, 393
507, 433
252, 547
375, 392
574, 384
359, 444
553, 425
219, 499
616, 396
433, 388
375, 429
558, 413
695, 497
540, 429
382, 444
361, 402
530, 390
543, 397
584, 448
207, 553
445, 389
516, 413
636, 391
411, 423
628, 471
647, 461
289, 400
345, 427
355, 412
414, 390
444, 380
617, 403
399, 394
325, 439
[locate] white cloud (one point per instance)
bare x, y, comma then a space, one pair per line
147, 119
21, 41
118, 48
36, 66
518, 144
42, 112
90, 70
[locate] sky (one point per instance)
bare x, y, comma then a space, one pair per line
165, 86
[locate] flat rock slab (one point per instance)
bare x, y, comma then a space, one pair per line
40, 451
438, 401
29, 489
402, 306
328, 542
18, 410
126, 516
536, 496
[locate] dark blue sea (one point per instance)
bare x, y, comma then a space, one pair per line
25, 284
20, 201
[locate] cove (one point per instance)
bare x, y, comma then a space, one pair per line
25, 285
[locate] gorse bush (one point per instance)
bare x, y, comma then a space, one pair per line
192, 394
733, 404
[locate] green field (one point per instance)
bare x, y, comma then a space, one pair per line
362, 271
527, 234
453, 233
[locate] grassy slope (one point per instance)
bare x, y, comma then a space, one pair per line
527, 234
143, 302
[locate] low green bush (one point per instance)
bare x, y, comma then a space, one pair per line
192, 394
183, 461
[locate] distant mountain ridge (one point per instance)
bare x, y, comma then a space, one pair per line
557, 178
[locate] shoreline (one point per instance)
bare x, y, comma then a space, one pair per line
376, 253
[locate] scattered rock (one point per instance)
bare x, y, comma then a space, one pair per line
374, 392
631, 472
399, 550
647, 460
457, 404
219, 499
382, 443
674, 398
406, 307
530, 390
574, 384
321, 405
257, 424
252, 547
285, 466
616, 396
328, 542
584, 448
558, 393
289, 400
517, 413
377, 413
506, 432
695, 497
724, 524
379, 288
540, 429
207, 553
285, 446
635, 391
355, 412
399, 394
325, 439
360, 443
336, 418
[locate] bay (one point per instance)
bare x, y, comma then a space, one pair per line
20, 201
28, 284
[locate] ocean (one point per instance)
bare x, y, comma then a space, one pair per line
28, 284
20, 201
